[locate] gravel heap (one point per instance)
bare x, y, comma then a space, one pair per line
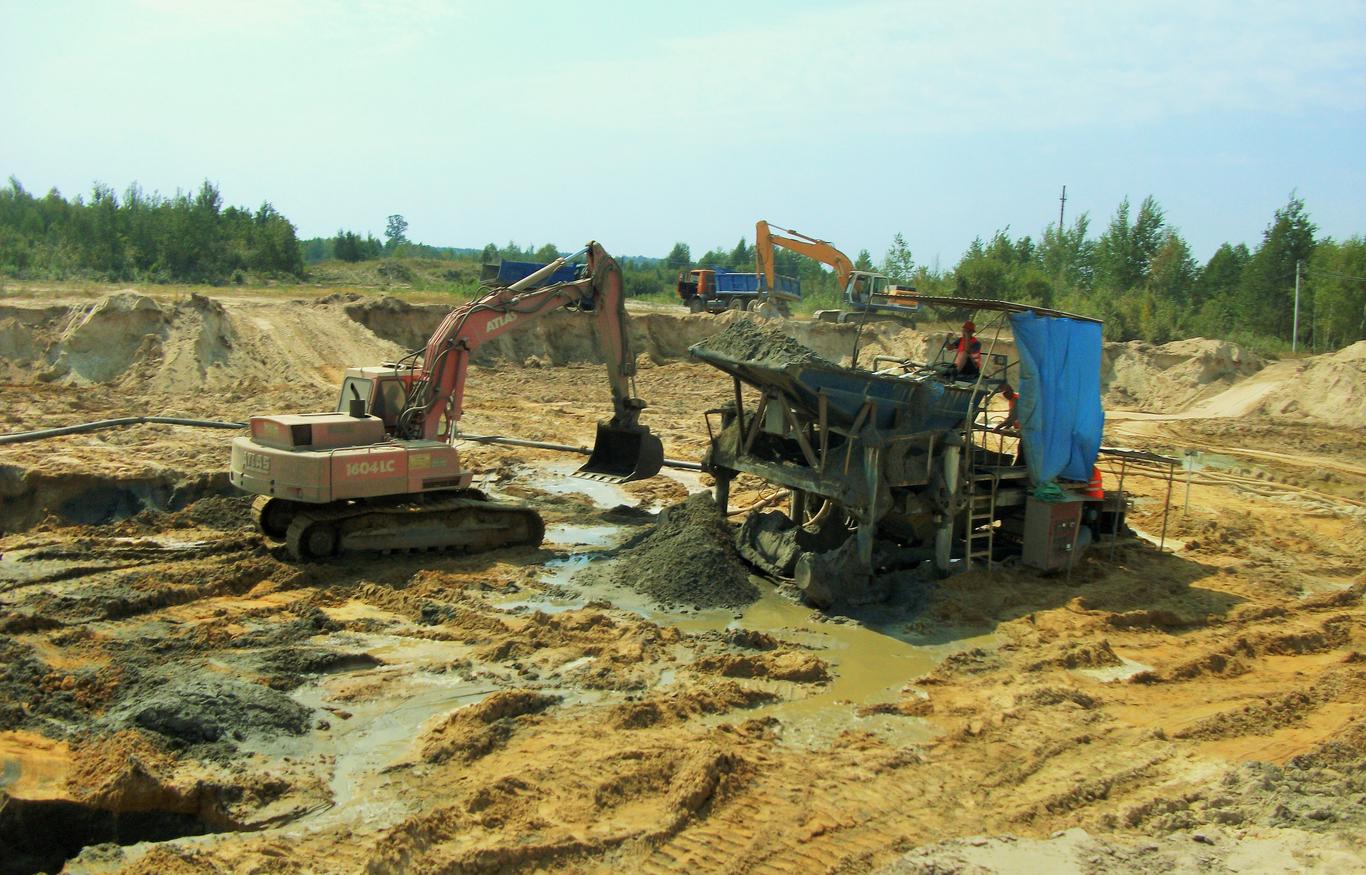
689, 558
748, 341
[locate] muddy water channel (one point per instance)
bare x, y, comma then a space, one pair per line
872, 653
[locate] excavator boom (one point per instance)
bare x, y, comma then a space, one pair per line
817, 250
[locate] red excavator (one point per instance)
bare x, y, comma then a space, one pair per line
382, 471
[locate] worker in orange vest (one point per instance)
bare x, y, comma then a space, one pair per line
1012, 419
967, 360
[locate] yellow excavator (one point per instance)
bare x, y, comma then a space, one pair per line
866, 293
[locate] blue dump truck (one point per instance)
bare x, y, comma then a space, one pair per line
715, 289
505, 273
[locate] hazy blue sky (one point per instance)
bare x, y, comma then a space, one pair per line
640, 124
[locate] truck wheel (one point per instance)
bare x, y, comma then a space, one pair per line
696, 305
735, 304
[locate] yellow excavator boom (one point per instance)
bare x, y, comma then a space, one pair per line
818, 250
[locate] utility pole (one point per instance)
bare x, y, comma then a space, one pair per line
1062, 204
1295, 330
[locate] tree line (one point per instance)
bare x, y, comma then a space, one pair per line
1138, 275
188, 237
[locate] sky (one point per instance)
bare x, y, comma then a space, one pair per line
642, 124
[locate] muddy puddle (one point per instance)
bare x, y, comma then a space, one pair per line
558, 478
872, 656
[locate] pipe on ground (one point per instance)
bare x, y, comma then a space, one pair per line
100, 425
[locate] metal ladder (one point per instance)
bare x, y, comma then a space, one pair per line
979, 537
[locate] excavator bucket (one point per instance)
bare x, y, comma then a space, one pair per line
622, 454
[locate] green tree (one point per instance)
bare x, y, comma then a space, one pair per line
898, 264
741, 257
864, 260
546, 254
1066, 256
347, 246
1267, 298
490, 254
1336, 287
1124, 251
679, 258
395, 232
1171, 273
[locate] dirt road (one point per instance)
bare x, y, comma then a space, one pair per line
175, 696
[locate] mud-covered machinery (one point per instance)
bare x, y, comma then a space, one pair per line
904, 463
382, 471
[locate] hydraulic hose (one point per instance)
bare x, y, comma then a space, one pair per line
45, 433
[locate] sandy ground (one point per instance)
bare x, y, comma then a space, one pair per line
175, 696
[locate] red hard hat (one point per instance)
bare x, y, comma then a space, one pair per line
969, 326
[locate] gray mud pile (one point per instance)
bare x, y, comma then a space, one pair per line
748, 341
197, 711
689, 558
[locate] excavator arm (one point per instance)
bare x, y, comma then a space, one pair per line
818, 250
436, 397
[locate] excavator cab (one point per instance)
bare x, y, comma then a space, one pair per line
382, 391
622, 454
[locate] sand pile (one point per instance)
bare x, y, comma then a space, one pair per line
1330, 387
558, 338
1171, 377
138, 343
689, 558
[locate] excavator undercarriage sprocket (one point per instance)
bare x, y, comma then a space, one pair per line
468, 522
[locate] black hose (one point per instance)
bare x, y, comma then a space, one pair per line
43, 434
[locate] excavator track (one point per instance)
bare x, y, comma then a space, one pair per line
273, 516
468, 522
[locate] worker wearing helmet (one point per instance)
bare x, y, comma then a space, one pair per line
967, 360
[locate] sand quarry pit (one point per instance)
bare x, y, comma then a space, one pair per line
175, 696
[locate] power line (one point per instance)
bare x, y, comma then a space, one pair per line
1345, 276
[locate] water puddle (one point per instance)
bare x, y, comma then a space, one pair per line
689, 480
1114, 673
1176, 545
580, 535
1311, 586
375, 719
557, 478
872, 657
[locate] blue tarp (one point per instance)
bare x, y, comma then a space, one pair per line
1059, 405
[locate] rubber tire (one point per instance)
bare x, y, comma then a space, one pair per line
697, 305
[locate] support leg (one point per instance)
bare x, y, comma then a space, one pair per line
723, 492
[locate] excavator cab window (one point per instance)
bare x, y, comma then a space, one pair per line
385, 400
354, 388
389, 402
858, 289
